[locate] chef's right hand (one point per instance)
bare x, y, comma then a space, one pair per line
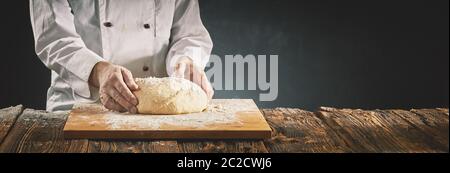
115, 84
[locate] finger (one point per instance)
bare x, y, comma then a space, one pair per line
206, 86
197, 76
128, 78
123, 89
179, 70
118, 98
189, 73
109, 103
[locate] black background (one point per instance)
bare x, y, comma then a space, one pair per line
132, 162
356, 54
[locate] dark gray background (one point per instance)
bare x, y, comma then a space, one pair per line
357, 54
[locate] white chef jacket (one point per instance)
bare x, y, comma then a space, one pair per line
71, 36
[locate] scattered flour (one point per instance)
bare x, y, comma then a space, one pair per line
215, 113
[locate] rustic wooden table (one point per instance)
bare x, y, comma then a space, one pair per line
294, 130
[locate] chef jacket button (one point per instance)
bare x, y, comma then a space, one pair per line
146, 26
145, 68
108, 24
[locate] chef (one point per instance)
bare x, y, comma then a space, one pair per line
95, 48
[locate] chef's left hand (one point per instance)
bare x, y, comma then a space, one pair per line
185, 68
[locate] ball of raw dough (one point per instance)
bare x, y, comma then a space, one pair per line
169, 95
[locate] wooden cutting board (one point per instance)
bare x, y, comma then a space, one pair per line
223, 119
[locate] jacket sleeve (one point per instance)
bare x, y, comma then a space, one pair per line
58, 45
189, 38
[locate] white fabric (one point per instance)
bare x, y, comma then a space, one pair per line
71, 37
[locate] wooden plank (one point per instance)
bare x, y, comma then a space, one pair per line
161, 147
73, 146
296, 130
186, 146
8, 117
222, 146
433, 124
377, 131
38, 131
434, 118
132, 146
223, 119
443, 110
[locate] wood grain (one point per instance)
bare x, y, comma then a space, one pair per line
132, 146
431, 125
296, 130
379, 131
40, 132
8, 117
222, 146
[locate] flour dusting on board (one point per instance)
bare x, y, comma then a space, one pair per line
216, 113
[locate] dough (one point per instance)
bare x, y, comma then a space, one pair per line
169, 95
